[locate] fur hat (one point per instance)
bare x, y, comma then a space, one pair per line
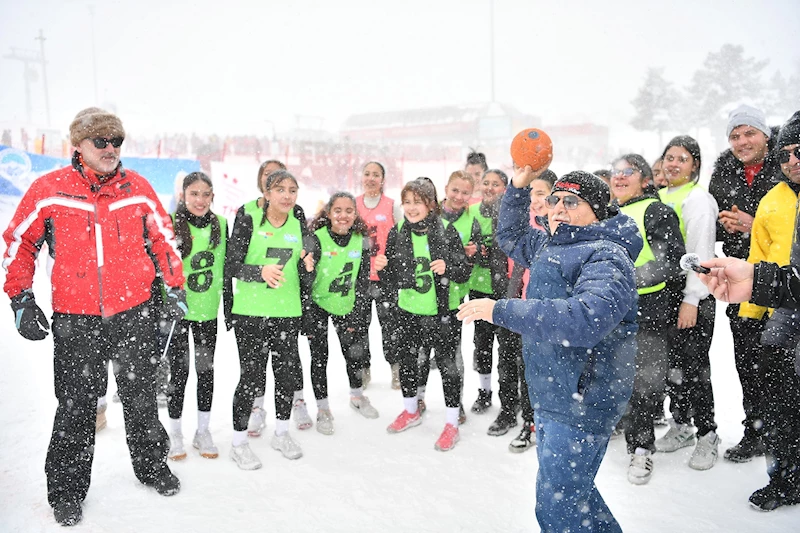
94, 122
749, 116
588, 187
790, 132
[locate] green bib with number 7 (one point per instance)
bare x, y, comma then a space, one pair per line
270, 246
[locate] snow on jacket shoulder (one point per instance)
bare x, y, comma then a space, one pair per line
107, 241
579, 319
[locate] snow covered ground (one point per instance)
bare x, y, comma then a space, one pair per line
361, 478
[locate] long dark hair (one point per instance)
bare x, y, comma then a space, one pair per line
275, 177
322, 219
183, 234
691, 146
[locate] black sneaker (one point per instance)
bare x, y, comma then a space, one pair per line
166, 485
747, 448
777, 494
483, 402
504, 421
525, 440
68, 513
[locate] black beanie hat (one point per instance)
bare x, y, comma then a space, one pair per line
790, 132
588, 187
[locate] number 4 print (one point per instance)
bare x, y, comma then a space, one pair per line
344, 282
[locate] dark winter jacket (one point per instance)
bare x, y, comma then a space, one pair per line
578, 322
663, 233
443, 243
729, 187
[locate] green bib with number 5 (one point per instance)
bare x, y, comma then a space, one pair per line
334, 287
420, 300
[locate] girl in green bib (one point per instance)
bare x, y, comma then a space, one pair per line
341, 250
202, 237
266, 255
424, 256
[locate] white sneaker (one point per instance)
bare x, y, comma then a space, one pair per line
287, 446
244, 457
366, 377
363, 406
161, 399
176, 450
677, 437
706, 452
325, 422
300, 413
204, 443
641, 467
257, 422
396, 376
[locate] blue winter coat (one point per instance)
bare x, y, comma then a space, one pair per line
578, 323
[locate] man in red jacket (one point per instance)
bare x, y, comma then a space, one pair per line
109, 239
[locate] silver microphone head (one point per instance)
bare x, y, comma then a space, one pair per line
691, 261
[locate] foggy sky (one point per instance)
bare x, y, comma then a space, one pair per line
240, 66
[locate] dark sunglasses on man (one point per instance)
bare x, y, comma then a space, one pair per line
101, 142
783, 155
570, 201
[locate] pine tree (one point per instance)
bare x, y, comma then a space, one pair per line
655, 104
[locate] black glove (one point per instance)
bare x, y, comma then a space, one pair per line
175, 306
28, 317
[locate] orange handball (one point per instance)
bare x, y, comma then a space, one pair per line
532, 147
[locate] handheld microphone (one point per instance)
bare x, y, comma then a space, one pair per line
692, 262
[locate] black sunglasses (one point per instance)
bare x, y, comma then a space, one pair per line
101, 143
570, 202
783, 155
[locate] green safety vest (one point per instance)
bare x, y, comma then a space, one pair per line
334, 286
268, 246
458, 291
636, 212
675, 200
204, 270
420, 300
481, 278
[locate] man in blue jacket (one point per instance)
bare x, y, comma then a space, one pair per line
578, 327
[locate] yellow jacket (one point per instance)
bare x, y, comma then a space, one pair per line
771, 236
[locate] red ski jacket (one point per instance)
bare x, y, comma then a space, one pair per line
107, 241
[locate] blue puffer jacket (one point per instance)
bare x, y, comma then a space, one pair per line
578, 323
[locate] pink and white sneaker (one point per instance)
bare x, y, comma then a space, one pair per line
448, 438
404, 421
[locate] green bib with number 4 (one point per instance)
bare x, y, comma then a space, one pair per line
334, 286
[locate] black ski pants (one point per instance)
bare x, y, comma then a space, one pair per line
691, 394
352, 348
751, 364
205, 341
83, 344
386, 311
257, 338
414, 333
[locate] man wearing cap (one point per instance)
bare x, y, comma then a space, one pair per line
578, 327
742, 175
108, 238
770, 285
